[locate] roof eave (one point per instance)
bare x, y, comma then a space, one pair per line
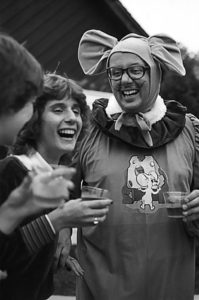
125, 17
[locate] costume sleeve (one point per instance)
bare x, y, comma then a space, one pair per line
77, 178
193, 227
195, 123
38, 233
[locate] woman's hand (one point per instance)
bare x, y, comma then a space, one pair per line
191, 206
78, 213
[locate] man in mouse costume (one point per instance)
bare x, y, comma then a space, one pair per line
151, 146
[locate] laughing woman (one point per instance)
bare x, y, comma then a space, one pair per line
59, 120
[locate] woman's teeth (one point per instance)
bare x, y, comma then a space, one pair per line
66, 133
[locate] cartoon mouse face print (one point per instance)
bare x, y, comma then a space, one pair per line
143, 174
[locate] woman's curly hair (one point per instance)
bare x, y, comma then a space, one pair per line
55, 87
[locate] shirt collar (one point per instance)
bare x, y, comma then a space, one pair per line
35, 161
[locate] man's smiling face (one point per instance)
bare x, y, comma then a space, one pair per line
131, 94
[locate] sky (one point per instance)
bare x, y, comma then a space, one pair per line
177, 18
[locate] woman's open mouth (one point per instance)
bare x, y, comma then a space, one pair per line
67, 133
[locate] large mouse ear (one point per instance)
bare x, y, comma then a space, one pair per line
165, 50
93, 51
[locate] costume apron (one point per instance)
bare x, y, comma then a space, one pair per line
138, 252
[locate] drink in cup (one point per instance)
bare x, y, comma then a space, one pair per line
90, 193
93, 193
174, 201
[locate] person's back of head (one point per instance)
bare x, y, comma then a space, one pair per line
21, 75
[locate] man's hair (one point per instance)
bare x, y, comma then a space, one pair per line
21, 75
55, 87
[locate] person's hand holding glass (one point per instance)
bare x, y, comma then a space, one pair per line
174, 201
183, 205
191, 206
90, 193
89, 210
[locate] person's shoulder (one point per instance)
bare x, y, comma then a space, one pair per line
193, 120
8, 161
11, 163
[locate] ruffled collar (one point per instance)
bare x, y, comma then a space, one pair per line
162, 131
143, 121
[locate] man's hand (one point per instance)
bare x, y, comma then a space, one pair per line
63, 248
191, 206
62, 257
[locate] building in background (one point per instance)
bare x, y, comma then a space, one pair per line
52, 29
92, 95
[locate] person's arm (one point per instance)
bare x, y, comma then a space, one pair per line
3, 240
74, 213
11, 211
38, 233
21, 203
41, 231
191, 207
10, 246
17, 197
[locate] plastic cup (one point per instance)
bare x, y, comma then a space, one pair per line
174, 201
93, 193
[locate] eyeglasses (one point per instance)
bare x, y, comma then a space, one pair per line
134, 72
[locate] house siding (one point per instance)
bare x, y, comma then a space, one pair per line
51, 29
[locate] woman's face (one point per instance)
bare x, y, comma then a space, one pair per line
12, 123
60, 128
130, 94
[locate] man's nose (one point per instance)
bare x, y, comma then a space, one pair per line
125, 76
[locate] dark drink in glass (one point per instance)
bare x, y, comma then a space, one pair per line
174, 201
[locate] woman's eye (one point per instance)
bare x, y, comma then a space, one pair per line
76, 111
58, 110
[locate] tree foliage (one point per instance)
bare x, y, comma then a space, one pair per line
184, 89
